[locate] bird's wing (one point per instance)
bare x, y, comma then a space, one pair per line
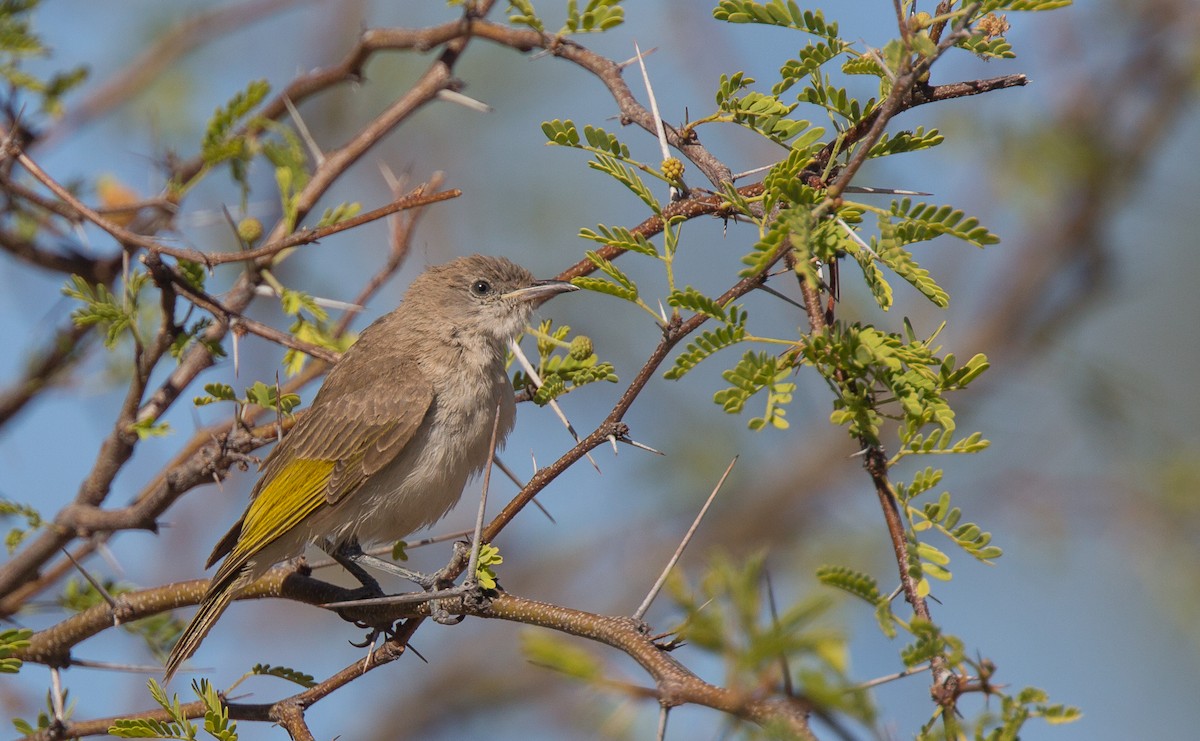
327, 456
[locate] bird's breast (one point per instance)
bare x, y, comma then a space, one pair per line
452, 444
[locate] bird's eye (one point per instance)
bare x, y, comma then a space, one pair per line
481, 288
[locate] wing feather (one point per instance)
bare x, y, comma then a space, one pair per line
328, 455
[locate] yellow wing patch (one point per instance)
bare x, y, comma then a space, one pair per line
290, 496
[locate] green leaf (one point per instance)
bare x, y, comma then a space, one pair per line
339, 213
549, 650
292, 302
562, 133
836, 100
924, 221
857, 583
13, 640
881, 290
791, 228
149, 427
627, 176
101, 308
216, 715
753, 373
146, 728
193, 273
928, 644
807, 61
891, 252
283, 672
489, 558
601, 139
521, 13
709, 342
906, 141
621, 286
222, 143
33, 520
220, 391
598, 15
621, 238
775, 13
694, 300
863, 65
268, 397
1023, 5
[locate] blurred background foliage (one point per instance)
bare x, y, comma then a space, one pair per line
1087, 310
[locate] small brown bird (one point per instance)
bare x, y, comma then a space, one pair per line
399, 425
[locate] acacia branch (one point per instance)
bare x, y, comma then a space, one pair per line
118, 448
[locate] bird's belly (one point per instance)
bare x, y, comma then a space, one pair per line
427, 478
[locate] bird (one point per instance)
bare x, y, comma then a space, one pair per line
398, 426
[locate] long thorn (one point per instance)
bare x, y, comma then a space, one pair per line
662, 578
513, 478
112, 603
658, 123
450, 96
755, 171
530, 371
113, 667
56, 696
777, 294
305, 135
406, 598
641, 446
634, 60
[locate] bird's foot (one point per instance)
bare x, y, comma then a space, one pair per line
436, 587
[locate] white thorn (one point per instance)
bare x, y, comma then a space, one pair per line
635, 60
328, 303
756, 170
317, 155
854, 235
687, 538
451, 96
658, 123
530, 371
642, 446
236, 358
884, 191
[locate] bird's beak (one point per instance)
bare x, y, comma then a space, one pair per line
541, 291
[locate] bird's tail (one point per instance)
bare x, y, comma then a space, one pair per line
220, 593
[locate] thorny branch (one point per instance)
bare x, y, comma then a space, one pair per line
212, 458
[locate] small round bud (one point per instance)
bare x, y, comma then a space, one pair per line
250, 230
672, 169
581, 347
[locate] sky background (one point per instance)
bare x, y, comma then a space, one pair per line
1089, 485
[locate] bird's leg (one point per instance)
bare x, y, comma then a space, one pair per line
437, 586
351, 556
347, 555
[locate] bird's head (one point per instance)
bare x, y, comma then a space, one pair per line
481, 295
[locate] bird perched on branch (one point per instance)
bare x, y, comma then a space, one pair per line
399, 425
